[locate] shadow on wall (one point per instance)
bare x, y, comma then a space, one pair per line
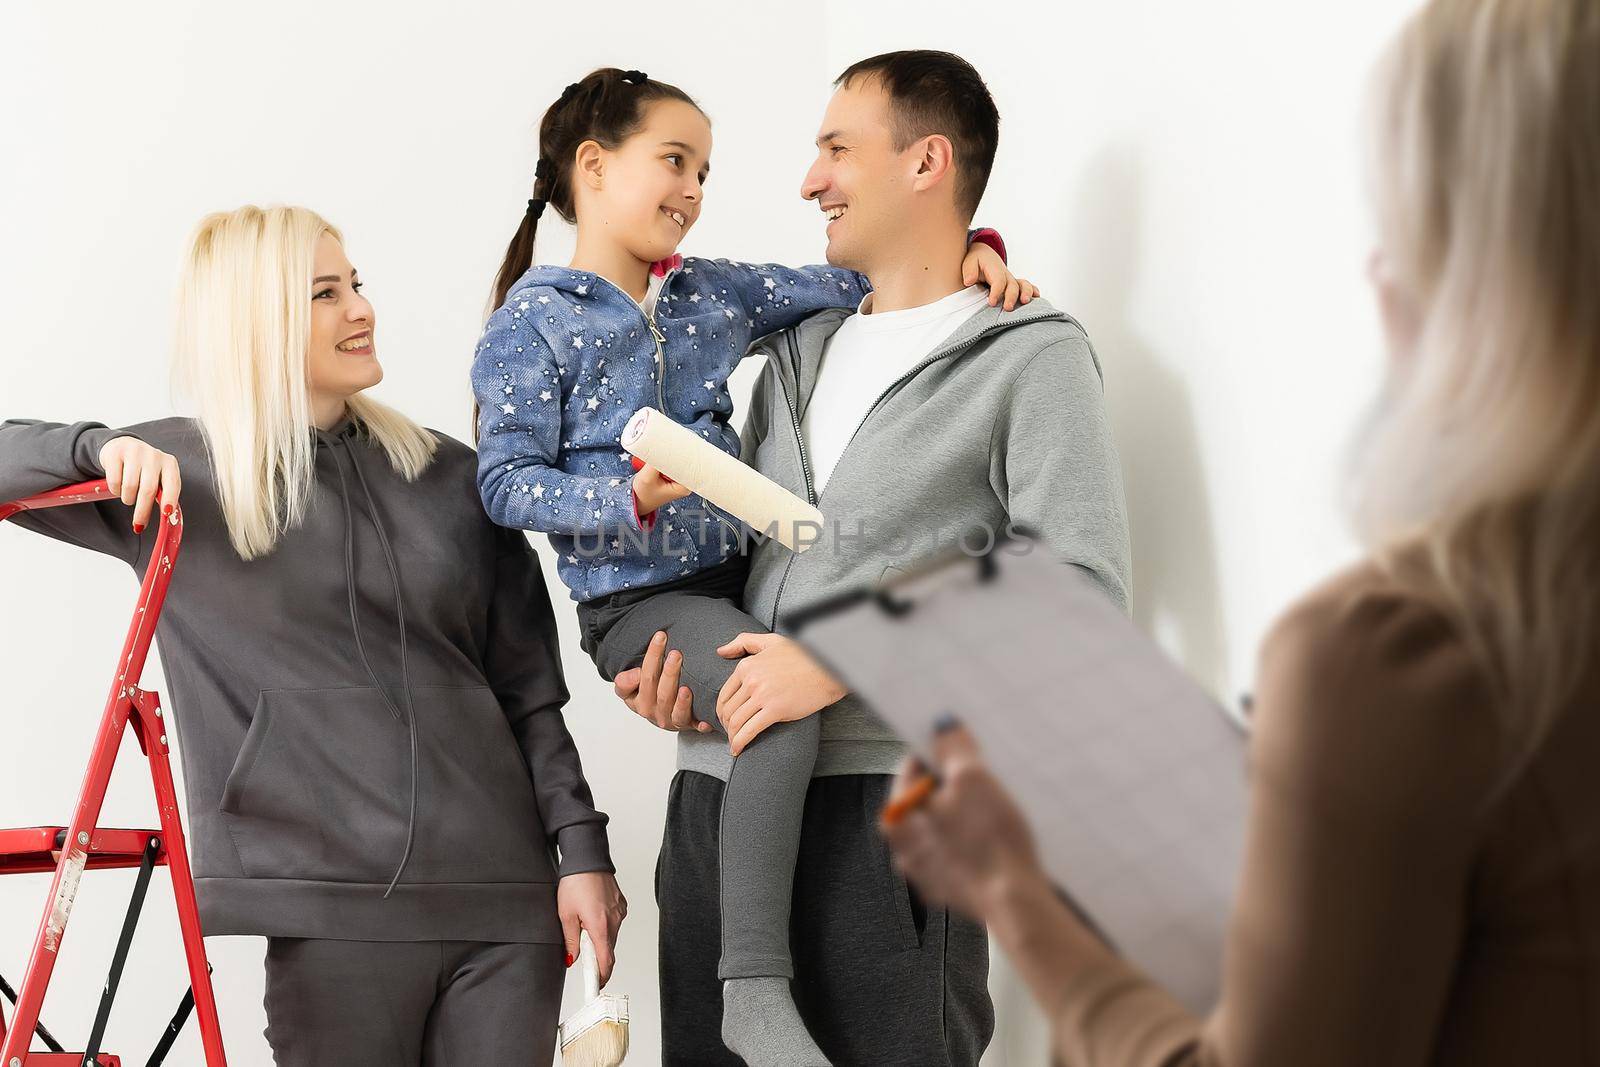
1175, 597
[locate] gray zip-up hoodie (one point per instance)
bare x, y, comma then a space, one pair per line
1003, 424
310, 788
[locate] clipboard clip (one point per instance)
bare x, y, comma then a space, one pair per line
891, 605
899, 607
988, 571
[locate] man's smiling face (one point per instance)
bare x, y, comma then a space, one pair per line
860, 182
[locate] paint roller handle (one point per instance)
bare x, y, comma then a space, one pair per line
652, 489
639, 465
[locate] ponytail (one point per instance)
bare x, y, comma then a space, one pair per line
519, 253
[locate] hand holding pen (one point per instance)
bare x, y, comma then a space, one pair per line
954, 829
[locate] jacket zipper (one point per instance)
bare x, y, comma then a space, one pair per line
661, 355
655, 334
661, 366
805, 463
788, 337
661, 358
794, 417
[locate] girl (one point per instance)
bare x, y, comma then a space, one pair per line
569, 356
364, 670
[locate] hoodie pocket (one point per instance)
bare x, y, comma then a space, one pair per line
321, 789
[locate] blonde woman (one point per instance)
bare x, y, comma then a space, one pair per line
1422, 877
364, 671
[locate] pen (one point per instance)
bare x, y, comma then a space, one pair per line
919, 791
913, 798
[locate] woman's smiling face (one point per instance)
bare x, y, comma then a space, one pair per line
342, 358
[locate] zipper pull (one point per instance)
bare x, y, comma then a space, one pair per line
655, 331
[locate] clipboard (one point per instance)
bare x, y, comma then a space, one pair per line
1133, 778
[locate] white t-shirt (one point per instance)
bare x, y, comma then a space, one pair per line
864, 357
651, 292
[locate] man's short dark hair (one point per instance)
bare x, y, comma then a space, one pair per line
938, 92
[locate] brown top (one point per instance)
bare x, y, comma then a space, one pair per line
1385, 916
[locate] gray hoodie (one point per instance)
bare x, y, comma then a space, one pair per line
1003, 424
310, 788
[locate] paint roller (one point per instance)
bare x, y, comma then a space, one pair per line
702, 467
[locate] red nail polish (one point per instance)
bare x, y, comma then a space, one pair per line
166, 509
569, 959
138, 527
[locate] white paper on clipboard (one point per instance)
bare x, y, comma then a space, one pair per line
1134, 779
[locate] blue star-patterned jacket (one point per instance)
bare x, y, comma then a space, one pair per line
566, 361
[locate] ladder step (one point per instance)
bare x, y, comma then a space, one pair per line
69, 1059
27, 850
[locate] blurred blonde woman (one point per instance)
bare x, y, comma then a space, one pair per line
1422, 878
364, 668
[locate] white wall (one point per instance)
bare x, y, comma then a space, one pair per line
1184, 178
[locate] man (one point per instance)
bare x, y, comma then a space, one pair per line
926, 412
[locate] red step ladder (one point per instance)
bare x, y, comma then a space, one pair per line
84, 845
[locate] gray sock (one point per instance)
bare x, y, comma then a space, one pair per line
762, 1025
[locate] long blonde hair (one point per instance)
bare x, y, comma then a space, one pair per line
1483, 462
243, 330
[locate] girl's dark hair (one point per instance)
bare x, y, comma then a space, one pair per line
607, 106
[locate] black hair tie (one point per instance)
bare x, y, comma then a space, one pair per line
536, 207
543, 170
569, 92
635, 77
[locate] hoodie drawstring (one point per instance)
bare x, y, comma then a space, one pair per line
355, 626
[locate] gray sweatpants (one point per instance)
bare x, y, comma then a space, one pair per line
402, 1003
766, 790
882, 978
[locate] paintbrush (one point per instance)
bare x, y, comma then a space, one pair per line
596, 1035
